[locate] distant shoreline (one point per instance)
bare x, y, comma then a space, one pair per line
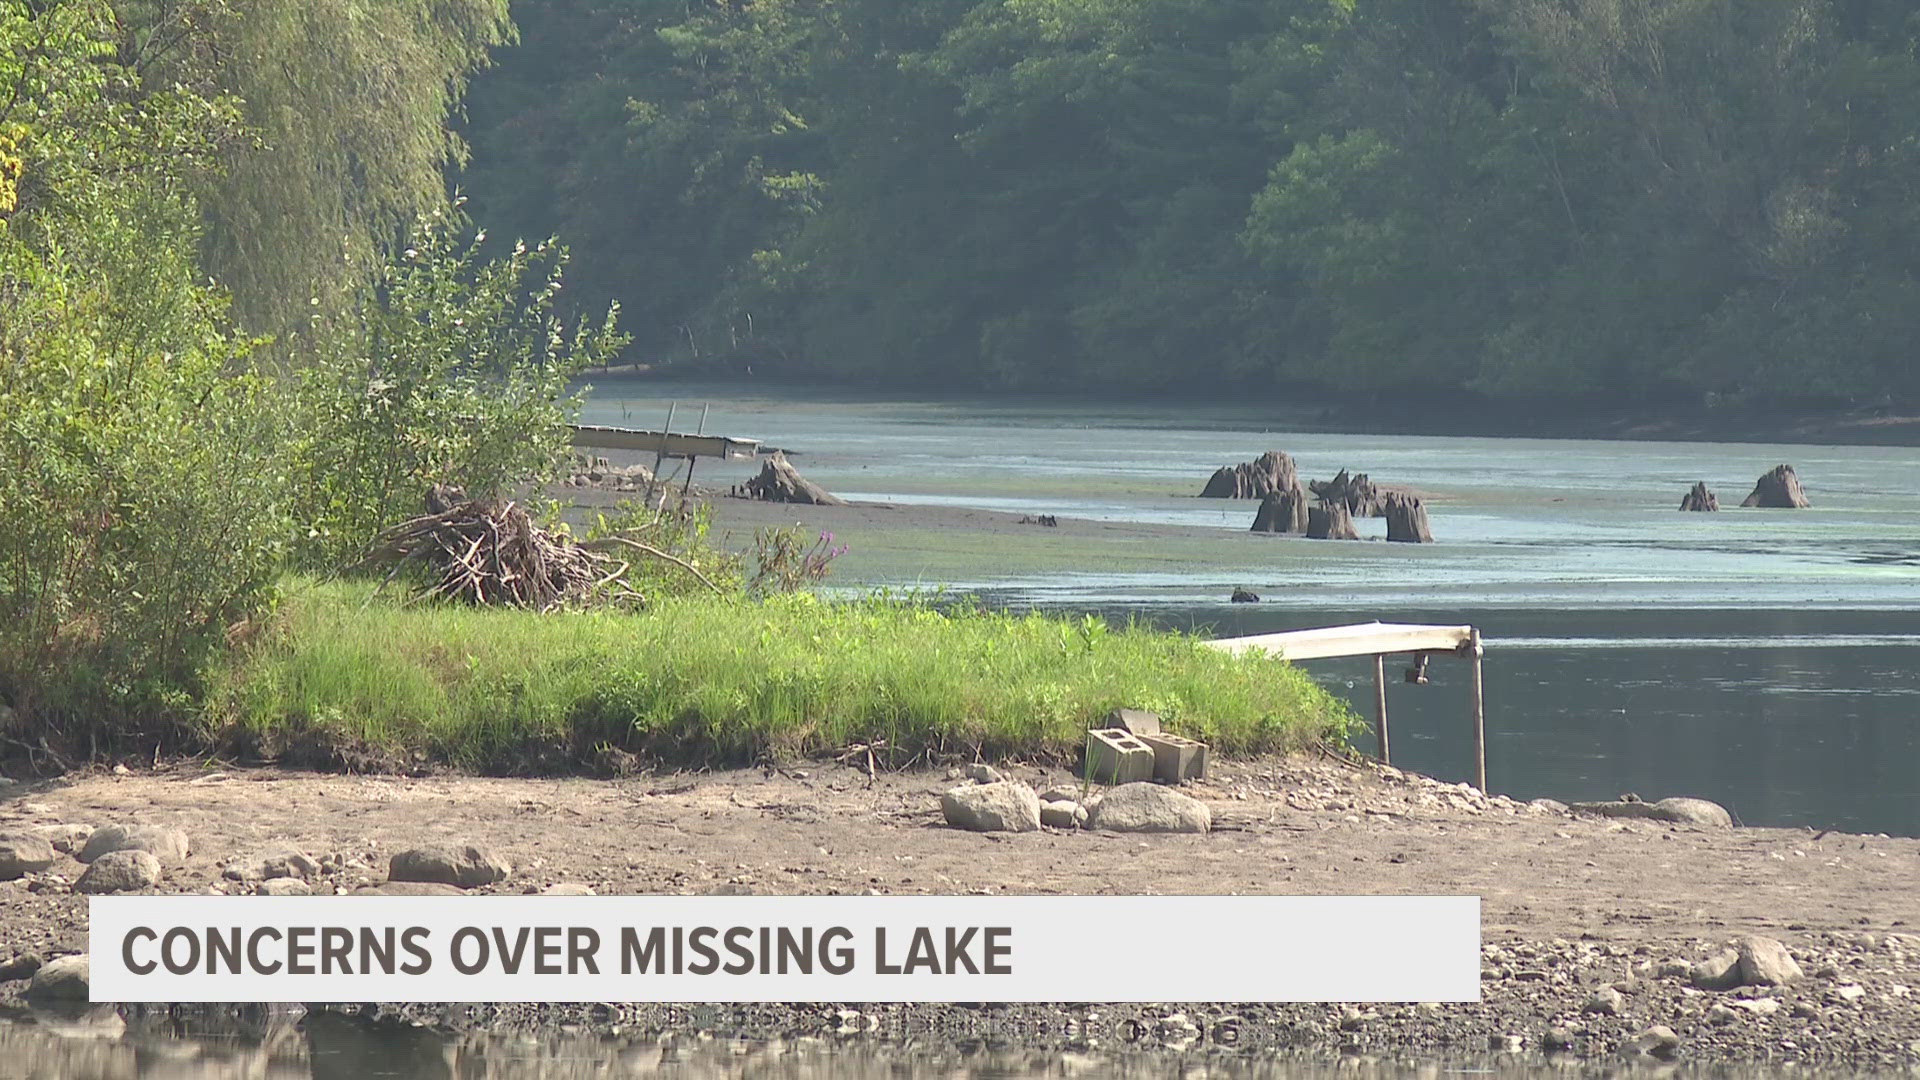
1315, 411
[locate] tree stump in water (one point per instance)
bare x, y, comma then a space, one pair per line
1359, 494
1270, 472
1331, 521
780, 482
1406, 520
1779, 489
1282, 512
1700, 499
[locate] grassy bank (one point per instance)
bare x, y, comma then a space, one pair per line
705, 681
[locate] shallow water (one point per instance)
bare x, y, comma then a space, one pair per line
1764, 659
332, 1047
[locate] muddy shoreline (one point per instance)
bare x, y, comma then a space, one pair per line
1575, 909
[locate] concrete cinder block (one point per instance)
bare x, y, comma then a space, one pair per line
1114, 756
1134, 721
1176, 758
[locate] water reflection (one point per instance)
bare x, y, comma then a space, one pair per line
98, 1045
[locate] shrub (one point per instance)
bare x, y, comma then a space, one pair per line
142, 502
451, 369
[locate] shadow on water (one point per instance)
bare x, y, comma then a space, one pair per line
265, 1044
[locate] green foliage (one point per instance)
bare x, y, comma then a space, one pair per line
697, 681
145, 507
452, 368
346, 108
1669, 200
682, 530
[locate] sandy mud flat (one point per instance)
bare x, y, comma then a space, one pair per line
1590, 924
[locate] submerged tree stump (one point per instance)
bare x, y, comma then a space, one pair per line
1700, 499
1779, 489
1270, 472
779, 481
1282, 512
1406, 520
1361, 496
1331, 521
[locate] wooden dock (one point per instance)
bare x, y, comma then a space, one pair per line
1377, 639
667, 443
670, 444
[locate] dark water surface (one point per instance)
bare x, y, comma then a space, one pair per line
1769, 660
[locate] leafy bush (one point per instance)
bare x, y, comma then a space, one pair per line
138, 481
451, 369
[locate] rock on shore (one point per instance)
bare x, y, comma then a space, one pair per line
464, 866
1003, 806
1149, 808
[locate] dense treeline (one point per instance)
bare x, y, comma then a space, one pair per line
1675, 200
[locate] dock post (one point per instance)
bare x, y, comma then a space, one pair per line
660, 455
688, 484
1380, 705
1479, 714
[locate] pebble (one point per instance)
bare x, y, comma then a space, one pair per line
1606, 1001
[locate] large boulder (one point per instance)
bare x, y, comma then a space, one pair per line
127, 870
1752, 961
1149, 808
462, 865
1779, 489
1270, 472
23, 853
1766, 962
67, 978
1008, 806
170, 846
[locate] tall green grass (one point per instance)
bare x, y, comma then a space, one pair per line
716, 681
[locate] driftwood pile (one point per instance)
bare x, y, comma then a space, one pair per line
488, 552
492, 552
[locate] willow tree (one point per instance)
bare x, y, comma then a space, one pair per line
348, 104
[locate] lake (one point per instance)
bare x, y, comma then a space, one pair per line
1761, 658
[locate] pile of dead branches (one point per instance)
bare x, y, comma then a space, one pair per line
487, 552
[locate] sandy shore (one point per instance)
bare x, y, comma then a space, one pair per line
1570, 904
